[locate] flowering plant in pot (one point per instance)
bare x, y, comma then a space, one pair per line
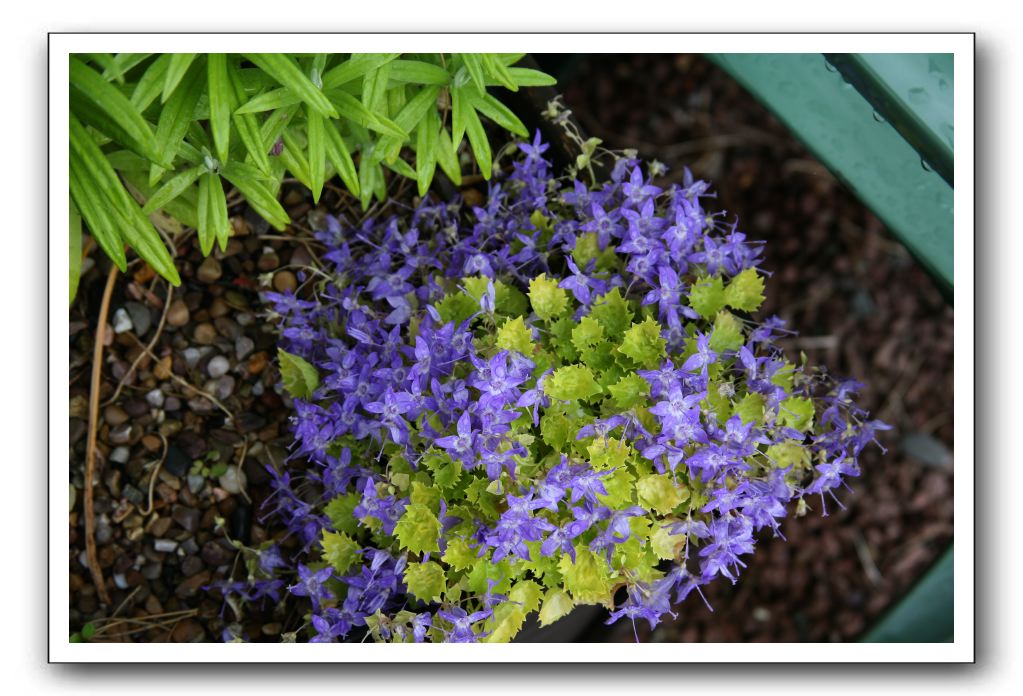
559, 397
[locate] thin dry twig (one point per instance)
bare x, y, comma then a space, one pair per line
152, 478
152, 342
90, 447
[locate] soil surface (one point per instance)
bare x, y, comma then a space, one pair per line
184, 436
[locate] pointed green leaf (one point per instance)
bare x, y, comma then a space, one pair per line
109, 111
125, 221
294, 159
147, 89
426, 150
355, 67
221, 95
501, 115
317, 152
447, 158
175, 117
527, 77
74, 250
172, 189
177, 66
419, 72
474, 65
284, 70
352, 109
497, 70
250, 182
341, 158
268, 101
247, 125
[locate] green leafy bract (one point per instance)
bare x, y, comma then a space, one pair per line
300, 378
571, 382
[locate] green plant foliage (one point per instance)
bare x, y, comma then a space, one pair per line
198, 124
300, 378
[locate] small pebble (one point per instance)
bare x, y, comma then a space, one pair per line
122, 322
164, 368
218, 367
191, 356
120, 580
172, 403
155, 398
177, 462
209, 270
268, 261
141, 317
165, 545
224, 387
136, 408
178, 314
257, 389
191, 565
121, 435
151, 571
114, 415
233, 481
196, 483
205, 334
243, 346
284, 281
187, 517
257, 363
120, 455
133, 495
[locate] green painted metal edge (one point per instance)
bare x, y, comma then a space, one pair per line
913, 92
925, 614
865, 153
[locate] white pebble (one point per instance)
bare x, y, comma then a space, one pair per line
120, 455
122, 322
191, 356
155, 398
218, 367
165, 545
233, 481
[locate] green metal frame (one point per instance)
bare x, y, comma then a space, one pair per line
883, 125
859, 144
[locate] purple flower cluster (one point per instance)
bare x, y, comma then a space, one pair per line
724, 434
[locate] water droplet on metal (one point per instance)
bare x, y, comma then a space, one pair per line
879, 118
830, 67
927, 167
